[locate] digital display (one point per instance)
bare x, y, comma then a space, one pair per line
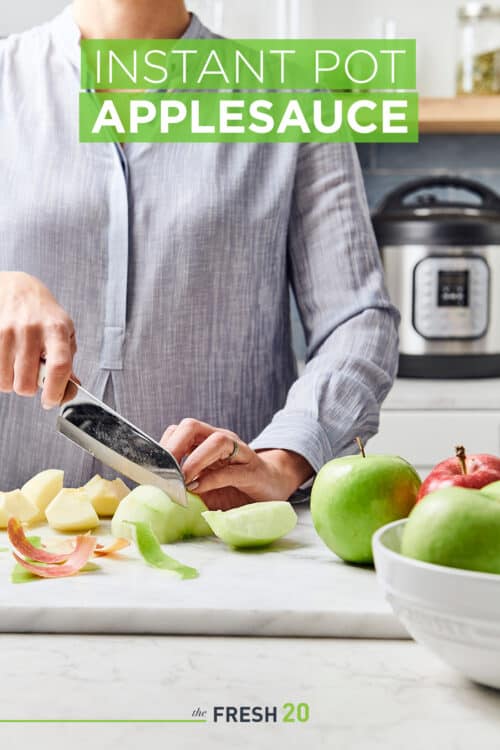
453, 288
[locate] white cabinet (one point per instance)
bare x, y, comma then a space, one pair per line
423, 421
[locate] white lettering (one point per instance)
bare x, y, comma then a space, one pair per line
351, 56
141, 112
329, 69
389, 116
156, 66
293, 118
108, 117
172, 113
227, 116
353, 111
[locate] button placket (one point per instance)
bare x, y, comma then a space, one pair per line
113, 342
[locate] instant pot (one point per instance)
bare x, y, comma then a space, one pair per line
442, 263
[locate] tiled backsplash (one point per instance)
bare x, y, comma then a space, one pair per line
387, 165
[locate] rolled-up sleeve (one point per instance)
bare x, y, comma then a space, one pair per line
349, 323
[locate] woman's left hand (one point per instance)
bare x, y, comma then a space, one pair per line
226, 472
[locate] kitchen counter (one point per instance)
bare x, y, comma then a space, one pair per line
459, 114
444, 395
423, 420
362, 694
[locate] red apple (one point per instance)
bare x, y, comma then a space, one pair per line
462, 471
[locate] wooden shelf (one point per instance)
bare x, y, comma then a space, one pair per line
463, 114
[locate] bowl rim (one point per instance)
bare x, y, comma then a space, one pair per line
377, 543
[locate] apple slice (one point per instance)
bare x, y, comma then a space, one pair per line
16, 505
71, 510
42, 488
169, 522
252, 525
105, 495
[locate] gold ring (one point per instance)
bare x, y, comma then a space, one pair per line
234, 452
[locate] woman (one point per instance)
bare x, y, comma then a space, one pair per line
171, 263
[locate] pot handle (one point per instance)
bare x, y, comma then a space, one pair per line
395, 200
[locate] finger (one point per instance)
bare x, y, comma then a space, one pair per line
168, 434
7, 344
232, 475
59, 362
71, 391
187, 436
27, 362
219, 446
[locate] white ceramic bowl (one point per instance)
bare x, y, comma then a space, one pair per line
455, 613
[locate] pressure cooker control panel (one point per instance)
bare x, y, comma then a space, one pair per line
451, 297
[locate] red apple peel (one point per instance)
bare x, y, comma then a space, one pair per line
18, 540
85, 546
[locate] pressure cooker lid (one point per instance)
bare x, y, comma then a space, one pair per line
420, 213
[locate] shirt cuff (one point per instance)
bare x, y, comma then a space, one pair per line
300, 433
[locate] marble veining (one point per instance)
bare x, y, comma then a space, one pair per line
297, 587
374, 695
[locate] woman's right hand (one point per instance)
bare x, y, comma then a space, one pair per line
33, 326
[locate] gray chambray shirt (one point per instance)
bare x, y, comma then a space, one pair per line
175, 260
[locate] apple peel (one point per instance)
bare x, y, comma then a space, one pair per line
60, 545
67, 546
21, 544
85, 546
116, 546
152, 553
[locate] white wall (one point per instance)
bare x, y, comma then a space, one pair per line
432, 22
17, 15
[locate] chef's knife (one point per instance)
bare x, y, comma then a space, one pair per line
110, 438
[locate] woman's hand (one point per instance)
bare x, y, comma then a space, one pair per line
32, 326
226, 472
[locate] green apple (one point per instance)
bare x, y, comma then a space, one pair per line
353, 496
169, 522
492, 490
456, 527
252, 525
197, 525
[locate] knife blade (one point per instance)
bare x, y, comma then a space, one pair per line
112, 439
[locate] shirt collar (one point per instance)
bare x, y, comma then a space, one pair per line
67, 35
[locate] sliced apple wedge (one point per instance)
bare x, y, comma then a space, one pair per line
16, 504
252, 525
42, 488
121, 488
71, 510
105, 495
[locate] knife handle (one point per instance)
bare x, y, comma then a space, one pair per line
42, 373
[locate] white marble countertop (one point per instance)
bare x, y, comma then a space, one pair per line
296, 587
363, 694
